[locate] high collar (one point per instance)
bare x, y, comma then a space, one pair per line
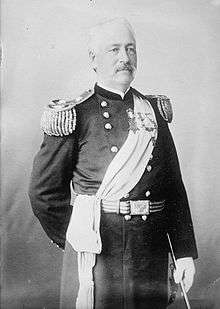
112, 94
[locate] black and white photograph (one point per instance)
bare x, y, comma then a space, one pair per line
110, 147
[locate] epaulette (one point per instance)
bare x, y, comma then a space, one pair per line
59, 117
164, 106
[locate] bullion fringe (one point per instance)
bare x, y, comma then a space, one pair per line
165, 108
58, 123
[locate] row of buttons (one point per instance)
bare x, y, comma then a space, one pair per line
114, 149
106, 115
108, 125
149, 168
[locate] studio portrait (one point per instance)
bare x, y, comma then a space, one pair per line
110, 150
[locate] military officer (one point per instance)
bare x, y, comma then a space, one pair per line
114, 146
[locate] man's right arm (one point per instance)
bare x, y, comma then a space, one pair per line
49, 189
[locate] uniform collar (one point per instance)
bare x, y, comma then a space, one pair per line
112, 94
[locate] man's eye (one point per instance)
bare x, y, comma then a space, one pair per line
131, 50
114, 50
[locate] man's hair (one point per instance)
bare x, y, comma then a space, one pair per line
95, 31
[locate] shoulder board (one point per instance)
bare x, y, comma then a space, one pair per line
164, 106
59, 117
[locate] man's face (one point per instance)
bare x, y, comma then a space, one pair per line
115, 59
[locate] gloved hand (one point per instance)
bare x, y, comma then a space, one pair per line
185, 270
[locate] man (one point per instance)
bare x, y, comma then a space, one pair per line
114, 145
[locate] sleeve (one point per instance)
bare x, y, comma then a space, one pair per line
180, 226
49, 189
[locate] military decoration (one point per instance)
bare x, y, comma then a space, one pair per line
132, 121
144, 121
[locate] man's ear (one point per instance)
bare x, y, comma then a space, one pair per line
92, 57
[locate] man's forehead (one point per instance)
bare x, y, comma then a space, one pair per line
116, 36
113, 32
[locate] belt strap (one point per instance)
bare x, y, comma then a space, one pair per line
132, 208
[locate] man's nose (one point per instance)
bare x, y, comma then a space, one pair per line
123, 55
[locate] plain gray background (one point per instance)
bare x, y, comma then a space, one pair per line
44, 58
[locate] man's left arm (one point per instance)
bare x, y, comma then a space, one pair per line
180, 222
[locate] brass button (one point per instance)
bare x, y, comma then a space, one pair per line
104, 104
114, 149
147, 193
127, 217
106, 115
149, 168
108, 126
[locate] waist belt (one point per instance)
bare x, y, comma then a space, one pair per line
133, 208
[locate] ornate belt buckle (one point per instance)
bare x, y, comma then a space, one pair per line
141, 208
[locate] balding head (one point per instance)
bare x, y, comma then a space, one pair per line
106, 30
112, 50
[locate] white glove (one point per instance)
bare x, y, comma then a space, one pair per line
185, 270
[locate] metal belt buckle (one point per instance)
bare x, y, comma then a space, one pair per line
140, 208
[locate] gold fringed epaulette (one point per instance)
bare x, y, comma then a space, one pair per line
164, 106
59, 117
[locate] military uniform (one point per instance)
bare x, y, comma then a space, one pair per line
131, 271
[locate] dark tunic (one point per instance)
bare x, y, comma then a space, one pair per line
131, 271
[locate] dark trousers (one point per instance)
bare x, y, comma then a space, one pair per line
131, 271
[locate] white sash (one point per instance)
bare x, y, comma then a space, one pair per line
123, 173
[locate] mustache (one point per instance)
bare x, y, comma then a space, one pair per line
125, 66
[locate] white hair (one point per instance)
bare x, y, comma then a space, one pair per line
96, 30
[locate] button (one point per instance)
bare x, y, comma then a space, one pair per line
108, 126
106, 115
147, 193
151, 157
144, 217
127, 217
149, 168
114, 149
104, 104
126, 195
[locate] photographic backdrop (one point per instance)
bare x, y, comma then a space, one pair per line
44, 58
